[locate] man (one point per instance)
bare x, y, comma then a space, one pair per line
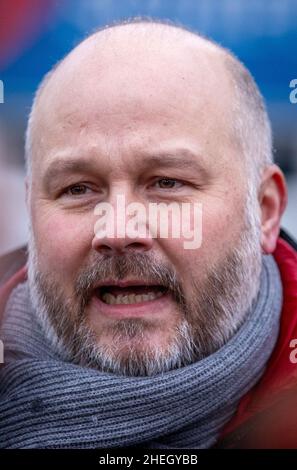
118, 340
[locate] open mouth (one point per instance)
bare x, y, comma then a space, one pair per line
132, 294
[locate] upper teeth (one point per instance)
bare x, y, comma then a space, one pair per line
131, 298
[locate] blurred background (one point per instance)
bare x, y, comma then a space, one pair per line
35, 34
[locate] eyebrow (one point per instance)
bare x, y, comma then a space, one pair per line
181, 159
60, 167
177, 159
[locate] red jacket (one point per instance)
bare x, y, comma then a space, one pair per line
267, 415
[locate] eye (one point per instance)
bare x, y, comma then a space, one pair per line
169, 183
77, 190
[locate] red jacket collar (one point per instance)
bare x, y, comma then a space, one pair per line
280, 371
6, 289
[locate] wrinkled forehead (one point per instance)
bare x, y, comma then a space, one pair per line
115, 81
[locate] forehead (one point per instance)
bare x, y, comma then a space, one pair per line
142, 90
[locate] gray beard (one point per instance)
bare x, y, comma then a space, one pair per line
206, 322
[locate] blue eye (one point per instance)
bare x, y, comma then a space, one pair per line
169, 183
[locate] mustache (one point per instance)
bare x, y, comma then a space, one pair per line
119, 267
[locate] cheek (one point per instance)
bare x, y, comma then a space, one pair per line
63, 241
219, 230
222, 226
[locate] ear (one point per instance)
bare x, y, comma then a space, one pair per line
273, 199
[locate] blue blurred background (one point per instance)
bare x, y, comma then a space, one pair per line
35, 34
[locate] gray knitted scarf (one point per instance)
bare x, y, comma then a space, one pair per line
47, 403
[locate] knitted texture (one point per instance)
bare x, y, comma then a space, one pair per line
48, 403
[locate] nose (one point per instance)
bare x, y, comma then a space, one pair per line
121, 227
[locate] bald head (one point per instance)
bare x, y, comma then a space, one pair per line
170, 64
